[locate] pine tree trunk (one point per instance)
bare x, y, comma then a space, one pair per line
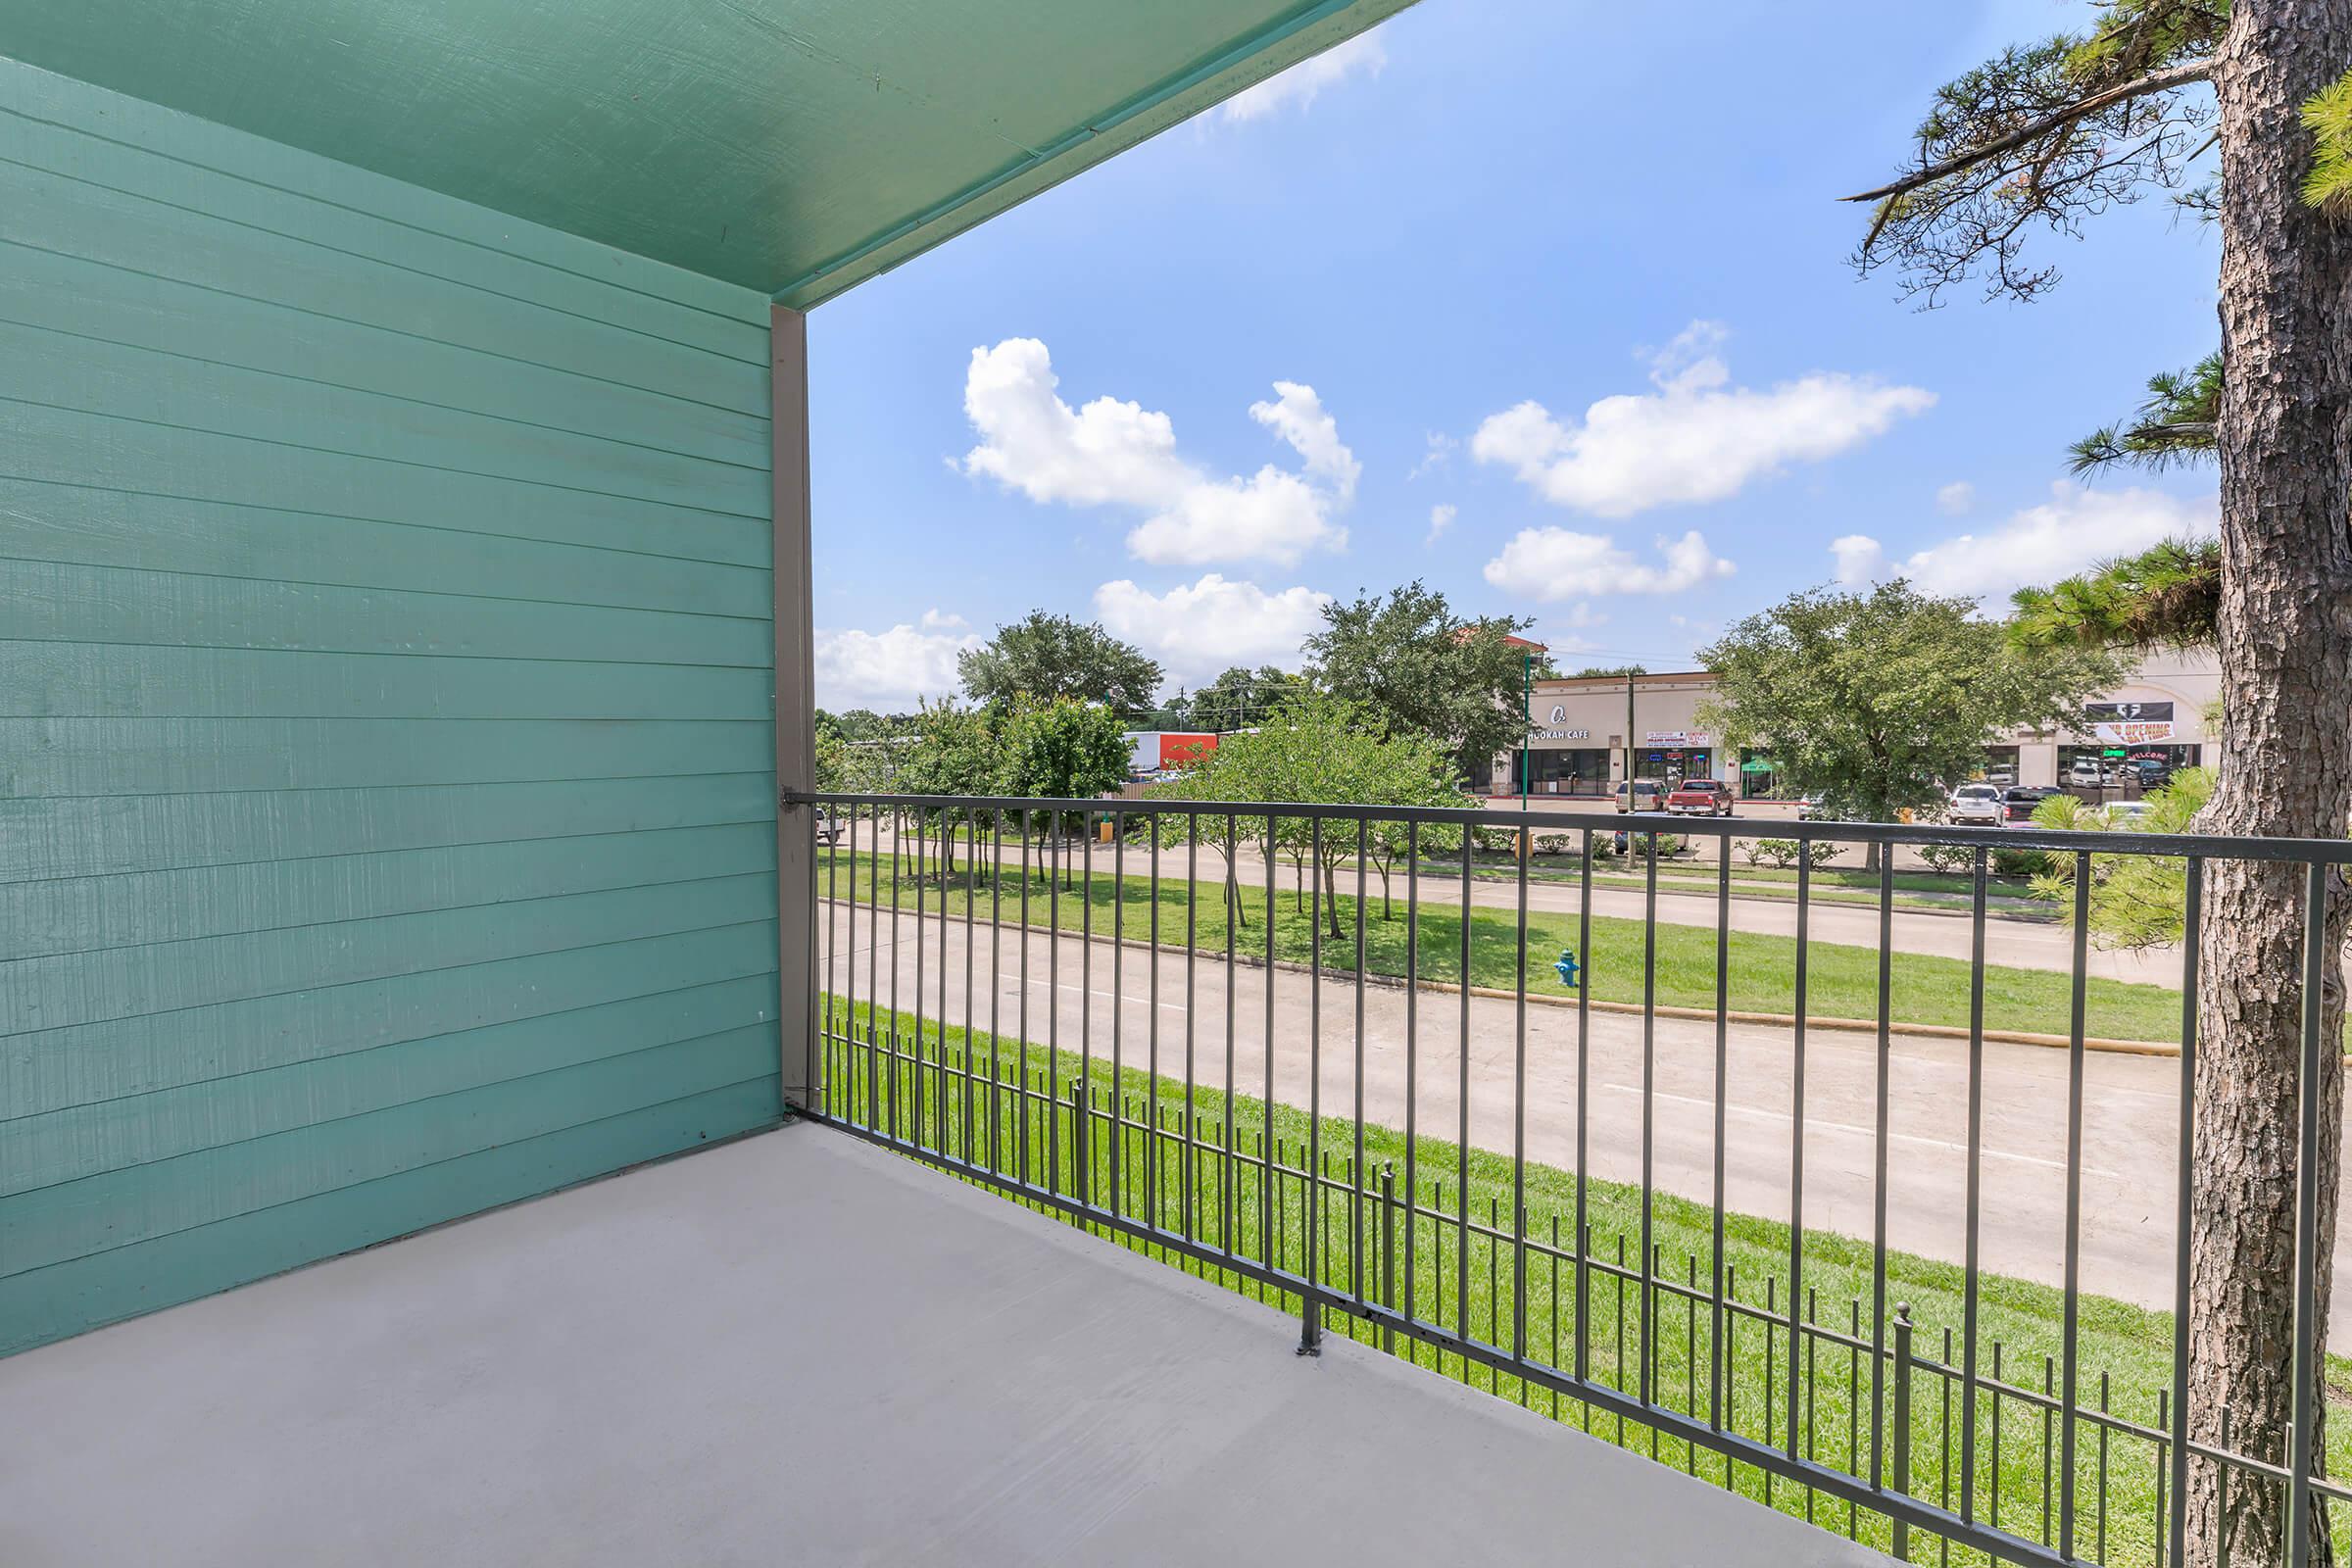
2285, 633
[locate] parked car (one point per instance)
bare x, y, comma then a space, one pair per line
1812, 808
1700, 797
1648, 794
1975, 805
2084, 772
2018, 803
828, 826
2151, 772
2004, 775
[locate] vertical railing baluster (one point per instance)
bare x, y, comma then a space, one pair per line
1796, 1112
2071, 1329
1412, 1054
1519, 1118
1190, 1162
996, 986
1974, 1186
1266, 1207
1311, 1215
1902, 1427
1355, 1189
1644, 1301
1461, 1279
2185, 1154
1723, 1073
1583, 1097
1020, 1100
1118, 1001
1882, 1077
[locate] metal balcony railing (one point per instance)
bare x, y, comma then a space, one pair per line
1121, 1012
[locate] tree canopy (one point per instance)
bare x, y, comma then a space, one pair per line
1418, 668
1239, 698
1061, 749
1881, 700
2168, 596
1321, 749
1046, 657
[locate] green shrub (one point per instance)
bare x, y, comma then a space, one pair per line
2019, 865
1948, 858
1782, 853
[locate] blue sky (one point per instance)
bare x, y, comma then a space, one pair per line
1570, 270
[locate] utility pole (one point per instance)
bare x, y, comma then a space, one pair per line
1629, 740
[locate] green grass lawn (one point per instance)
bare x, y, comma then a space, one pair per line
2124, 1357
1842, 978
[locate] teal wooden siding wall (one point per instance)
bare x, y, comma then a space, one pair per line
386, 762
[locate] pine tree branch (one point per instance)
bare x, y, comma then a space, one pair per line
2155, 81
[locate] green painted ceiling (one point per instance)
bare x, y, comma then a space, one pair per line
792, 146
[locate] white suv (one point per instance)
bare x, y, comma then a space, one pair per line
1975, 805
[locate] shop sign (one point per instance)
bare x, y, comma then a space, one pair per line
1563, 734
2128, 712
2135, 733
1678, 737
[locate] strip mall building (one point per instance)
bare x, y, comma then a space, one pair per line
1578, 745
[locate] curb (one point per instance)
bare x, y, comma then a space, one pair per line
1785, 1021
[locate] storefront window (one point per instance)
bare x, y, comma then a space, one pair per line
2125, 769
1564, 770
1674, 763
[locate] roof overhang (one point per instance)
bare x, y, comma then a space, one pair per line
797, 147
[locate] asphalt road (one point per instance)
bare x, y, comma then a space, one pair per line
2014, 942
2130, 1103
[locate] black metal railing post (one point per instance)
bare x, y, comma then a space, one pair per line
1388, 1249
1901, 1441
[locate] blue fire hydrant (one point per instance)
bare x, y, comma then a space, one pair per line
1566, 968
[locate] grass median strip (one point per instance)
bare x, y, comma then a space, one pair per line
1841, 978
967, 1098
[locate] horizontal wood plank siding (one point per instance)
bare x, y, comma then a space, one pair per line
387, 794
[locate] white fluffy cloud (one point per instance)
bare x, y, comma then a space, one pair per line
1197, 630
1955, 498
1113, 452
889, 670
1441, 518
2075, 529
1556, 563
1696, 438
1363, 55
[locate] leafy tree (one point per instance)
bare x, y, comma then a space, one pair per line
1877, 700
1061, 749
1239, 698
1319, 749
954, 752
1420, 669
2042, 138
1610, 671
857, 752
1046, 657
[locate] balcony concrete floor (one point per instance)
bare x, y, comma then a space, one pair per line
796, 1349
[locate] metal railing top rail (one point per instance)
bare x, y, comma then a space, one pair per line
2168, 846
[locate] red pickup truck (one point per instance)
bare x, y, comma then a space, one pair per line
1700, 797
